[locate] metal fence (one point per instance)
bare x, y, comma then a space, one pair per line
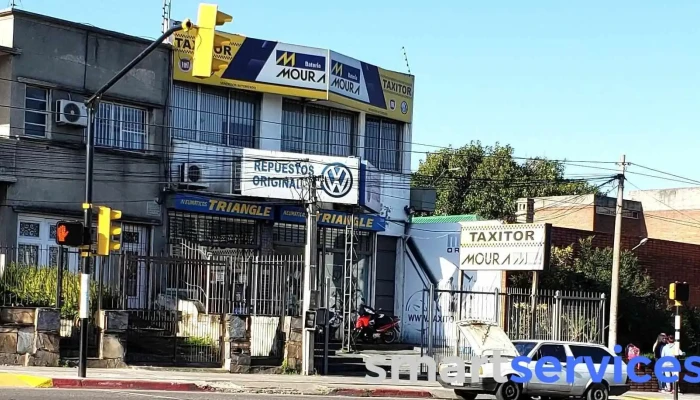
558, 315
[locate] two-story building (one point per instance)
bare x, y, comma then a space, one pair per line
244, 139
47, 69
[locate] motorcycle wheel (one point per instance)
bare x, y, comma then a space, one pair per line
390, 336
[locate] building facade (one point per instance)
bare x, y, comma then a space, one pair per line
48, 67
244, 141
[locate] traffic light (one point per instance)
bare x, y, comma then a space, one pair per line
108, 231
203, 64
70, 234
679, 291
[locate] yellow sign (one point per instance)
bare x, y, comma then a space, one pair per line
273, 67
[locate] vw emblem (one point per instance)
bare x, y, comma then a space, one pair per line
337, 180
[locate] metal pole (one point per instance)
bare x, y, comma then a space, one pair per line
59, 280
309, 272
431, 317
677, 385
92, 104
615, 281
327, 327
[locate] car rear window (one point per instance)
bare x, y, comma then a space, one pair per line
524, 348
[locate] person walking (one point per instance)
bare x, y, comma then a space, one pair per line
658, 348
671, 349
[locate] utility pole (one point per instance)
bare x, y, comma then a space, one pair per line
92, 104
311, 255
615, 281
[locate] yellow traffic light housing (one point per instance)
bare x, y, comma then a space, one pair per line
209, 17
108, 232
679, 292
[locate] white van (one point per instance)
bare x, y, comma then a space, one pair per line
485, 337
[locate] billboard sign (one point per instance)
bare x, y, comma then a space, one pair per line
258, 65
273, 67
370, 187
369, 88
504, 247
279, 175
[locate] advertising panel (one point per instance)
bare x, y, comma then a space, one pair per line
504, 247
333, 218
230, 208
258, 65
272, 67
278, 175
369, 88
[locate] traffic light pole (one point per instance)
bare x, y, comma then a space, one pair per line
92, 107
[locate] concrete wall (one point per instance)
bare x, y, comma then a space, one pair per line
671, 214
72, 61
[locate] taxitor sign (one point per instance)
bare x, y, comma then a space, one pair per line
504, 247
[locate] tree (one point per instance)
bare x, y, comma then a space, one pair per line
487, 180
642, 308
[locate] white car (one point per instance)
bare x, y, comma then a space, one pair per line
486, 337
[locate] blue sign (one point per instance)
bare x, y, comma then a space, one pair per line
370, 187
332, 218
231, 208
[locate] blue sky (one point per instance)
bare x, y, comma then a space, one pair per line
585, 80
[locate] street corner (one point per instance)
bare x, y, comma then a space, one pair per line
11, 380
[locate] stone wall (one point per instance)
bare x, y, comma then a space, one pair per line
653, 386
112, 326
294, 332
30, 336
237, 344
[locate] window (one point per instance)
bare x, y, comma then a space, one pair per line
121, 126
214, 115
317, 130
524, 348
36, 111
551, 350
383, 143
596, 354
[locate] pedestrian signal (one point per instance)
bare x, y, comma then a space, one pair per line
679, 291
70, 234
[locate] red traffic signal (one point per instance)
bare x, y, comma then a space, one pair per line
69, 234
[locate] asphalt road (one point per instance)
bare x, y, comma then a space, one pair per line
80, 394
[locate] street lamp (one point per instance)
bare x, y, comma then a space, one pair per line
641, 243
443, 173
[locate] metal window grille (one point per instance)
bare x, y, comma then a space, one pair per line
317, 130
383, 143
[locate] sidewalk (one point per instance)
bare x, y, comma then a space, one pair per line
192, 380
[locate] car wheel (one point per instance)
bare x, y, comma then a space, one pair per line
597, 391
465, 394
509, 391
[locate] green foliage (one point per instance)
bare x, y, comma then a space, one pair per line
32, 286
487, 180
200, 341
642, 309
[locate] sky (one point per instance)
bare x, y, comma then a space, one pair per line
576, 80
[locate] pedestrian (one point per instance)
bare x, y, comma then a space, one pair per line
671, 349
658, 348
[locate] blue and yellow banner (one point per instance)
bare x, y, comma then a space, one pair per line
230, 208
332, 218
289, 70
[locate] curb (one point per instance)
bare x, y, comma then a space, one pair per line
76, 383
24, 381
393, 393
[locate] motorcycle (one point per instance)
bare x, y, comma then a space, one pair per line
335, 320
372, 326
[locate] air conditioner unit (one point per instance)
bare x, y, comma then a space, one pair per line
72, 113
192, 174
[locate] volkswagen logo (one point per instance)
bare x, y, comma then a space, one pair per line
337, 180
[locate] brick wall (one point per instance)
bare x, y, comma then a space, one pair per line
663, 260
653, 386
673, 225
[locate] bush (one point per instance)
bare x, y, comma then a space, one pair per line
31, 286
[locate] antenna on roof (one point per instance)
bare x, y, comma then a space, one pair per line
405, 57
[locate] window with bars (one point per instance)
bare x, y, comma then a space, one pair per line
212, 230
313, 129
214, 115
121, 126
383, 143
36, 111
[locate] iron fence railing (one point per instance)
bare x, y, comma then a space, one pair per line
558, 315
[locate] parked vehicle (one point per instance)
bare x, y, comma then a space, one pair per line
371, 326
486, 337
335, 321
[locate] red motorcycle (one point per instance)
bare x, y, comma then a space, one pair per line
372, 326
